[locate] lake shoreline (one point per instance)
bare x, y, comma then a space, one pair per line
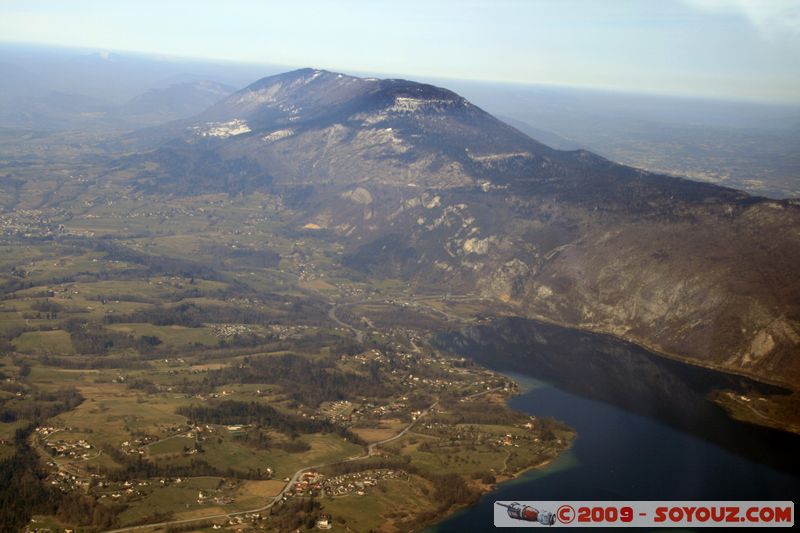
656, 350
507, 478
614, 457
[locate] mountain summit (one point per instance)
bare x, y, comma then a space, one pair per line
307, 95
314, 126
338, 128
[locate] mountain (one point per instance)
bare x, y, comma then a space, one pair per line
314, 126
47, 88
177, 101
25, 104
418, 183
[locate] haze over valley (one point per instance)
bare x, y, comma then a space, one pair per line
279, 297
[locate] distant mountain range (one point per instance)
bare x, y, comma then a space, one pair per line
752, 146
416, 182
174, 102
27, 104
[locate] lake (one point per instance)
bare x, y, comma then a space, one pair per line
646, 430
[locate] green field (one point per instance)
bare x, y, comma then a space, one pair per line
170, 446
44, 342
78, 319
232, 453
175, 336
391, 500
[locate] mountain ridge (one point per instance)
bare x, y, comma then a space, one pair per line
483, 147
418, 184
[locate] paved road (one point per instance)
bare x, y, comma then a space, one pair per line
332, 315
418, 300
481, 393
371, 447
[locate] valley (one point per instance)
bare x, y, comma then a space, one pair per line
150, 341
245, 319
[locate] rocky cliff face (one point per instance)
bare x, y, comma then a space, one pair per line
419, 183
712, 285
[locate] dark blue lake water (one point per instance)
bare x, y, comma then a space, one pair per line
646, 429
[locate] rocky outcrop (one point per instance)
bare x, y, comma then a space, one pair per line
719, 289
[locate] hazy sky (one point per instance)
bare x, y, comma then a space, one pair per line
727, 48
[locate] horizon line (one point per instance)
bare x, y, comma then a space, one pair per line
601, 88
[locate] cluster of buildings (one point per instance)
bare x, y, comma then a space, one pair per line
354, 290
231, 330
203, 498
358, 482
347, 412
31, 223
136, 446
63, 448
339, 411
121, 491
438, 384
309, 484
166, 213
283, 332
65, 481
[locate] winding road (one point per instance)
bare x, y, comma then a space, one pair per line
370, 451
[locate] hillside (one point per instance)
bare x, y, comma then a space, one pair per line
419, 184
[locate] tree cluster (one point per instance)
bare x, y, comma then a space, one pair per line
230, 412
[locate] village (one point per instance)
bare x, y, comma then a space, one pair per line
32, 223
157, 460
315, 484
